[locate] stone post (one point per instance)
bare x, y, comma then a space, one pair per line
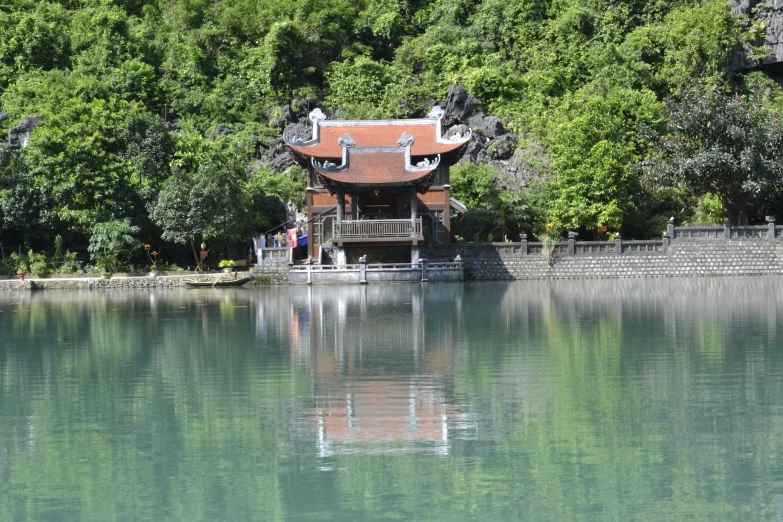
363, 270
458, 260
726, 229
572, 235
309, 271
666, 240
523, 245
424, 270
618, 244
670, 228
771, 225
415, 254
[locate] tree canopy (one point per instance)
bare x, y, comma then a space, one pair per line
126, 87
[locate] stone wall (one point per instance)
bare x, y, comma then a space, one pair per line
700, 258
267, 275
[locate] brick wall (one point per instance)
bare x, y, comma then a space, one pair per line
682, 259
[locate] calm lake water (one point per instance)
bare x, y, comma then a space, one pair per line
639, 400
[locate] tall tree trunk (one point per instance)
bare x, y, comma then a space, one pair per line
737, 211
195, 255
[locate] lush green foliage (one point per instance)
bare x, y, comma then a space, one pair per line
724, 145
112, 243
495, 214
579, 76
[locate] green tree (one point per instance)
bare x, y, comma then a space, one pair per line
728, 145
98, 161
490, 209
112, 243
595, 145
204, 197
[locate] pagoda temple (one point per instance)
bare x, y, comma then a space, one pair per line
378, 188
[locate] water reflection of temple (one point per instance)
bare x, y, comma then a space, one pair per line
381, 368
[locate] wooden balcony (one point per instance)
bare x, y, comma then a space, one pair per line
378, 230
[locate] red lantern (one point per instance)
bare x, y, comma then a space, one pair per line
375, 192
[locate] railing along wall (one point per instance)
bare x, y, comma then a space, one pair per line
619, 246
726, 231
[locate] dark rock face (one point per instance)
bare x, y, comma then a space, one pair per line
18, 136
281, 116
489, 126
458, 105
3, 116
275, 155
770, 13
221, 130
503, 147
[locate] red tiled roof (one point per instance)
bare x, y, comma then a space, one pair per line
425, 143
383, 168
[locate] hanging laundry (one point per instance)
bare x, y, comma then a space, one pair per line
292, 236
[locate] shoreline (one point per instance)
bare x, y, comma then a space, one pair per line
124, 282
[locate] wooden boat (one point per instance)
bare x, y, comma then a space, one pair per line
218, 282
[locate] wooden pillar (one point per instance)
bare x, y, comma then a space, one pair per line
354, 206
310, 223
414, 210
340, 206
446, 214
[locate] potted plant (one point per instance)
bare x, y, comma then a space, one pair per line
227, 265
22, 266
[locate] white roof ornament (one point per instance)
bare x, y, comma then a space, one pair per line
436, 113
458, 137
422, 166
316, 115
406, 140
346, 141
326, 165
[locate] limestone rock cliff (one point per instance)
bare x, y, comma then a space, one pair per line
770, 13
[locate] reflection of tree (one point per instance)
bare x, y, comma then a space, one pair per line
131, 414
567, 401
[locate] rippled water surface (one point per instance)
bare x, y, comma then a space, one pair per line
640, 400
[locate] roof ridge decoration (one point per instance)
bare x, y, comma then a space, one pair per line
347, 142
316, 116
435, 115
406, 140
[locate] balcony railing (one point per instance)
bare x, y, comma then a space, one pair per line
377, 228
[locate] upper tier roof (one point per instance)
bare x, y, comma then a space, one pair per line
427, 134
376, 168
